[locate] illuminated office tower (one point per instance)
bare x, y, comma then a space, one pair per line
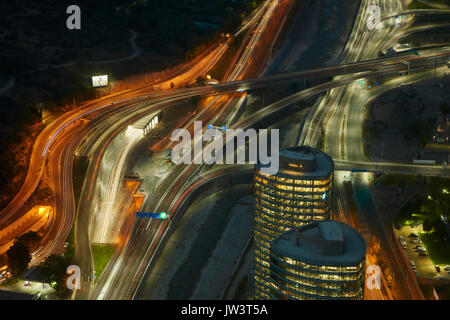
299, 194
322, 260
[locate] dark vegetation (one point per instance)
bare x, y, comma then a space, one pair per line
430, 209
54, 269
399, 180
19, 255
417, 129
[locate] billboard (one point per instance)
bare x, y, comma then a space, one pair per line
100, 81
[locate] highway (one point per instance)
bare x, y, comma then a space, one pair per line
343, 125
47, 137
255, 117
55, 147
179, 186
146, 236
343, 213
67, 203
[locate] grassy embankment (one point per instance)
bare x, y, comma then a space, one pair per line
102, 253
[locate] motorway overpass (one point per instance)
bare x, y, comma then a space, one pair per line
392, 167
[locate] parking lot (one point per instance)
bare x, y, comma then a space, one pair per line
416, 253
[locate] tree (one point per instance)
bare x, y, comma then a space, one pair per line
30, 239
18, 258
54, 268
427, 226
417, 129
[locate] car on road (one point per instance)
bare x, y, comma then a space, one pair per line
26, 283
447, 268
416, 241
413, 265
423, 254
437, 269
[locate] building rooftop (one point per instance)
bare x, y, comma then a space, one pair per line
304, 161
298, 153
330, 243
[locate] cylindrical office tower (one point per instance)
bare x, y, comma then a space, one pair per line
299, 194
322, 260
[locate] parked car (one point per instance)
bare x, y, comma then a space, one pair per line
416, 241
447, 268
413, 265
438, 269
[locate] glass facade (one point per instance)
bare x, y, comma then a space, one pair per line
296, 280
289, 199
